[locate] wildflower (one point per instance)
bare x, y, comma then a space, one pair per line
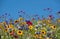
53, 27
29, 22
10, 26
19, 32
30, 27
43, 32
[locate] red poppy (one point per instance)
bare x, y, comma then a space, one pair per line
29, 22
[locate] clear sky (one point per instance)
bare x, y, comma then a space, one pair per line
29, 6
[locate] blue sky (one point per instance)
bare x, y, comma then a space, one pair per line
29, 6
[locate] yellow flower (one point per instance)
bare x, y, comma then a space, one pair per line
10, 26
53, 27
30, 27
43, 32
19, 32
